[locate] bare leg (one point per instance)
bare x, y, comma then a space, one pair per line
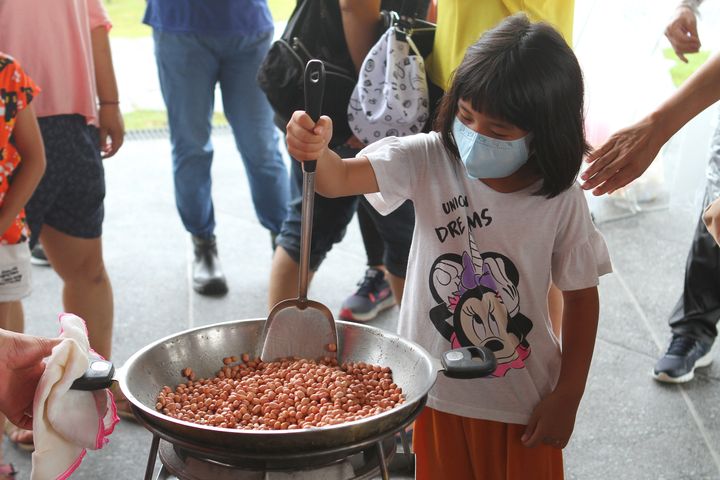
15, 317
283, 278
397, 285
555, 307
4, 323
86, 291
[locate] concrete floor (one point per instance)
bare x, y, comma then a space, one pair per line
629, 426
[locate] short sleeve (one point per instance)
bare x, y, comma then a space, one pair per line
98, 15
580, 256
14, 79
399, 164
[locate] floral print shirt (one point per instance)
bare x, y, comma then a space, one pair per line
17, 90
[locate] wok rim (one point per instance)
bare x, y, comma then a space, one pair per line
123, 371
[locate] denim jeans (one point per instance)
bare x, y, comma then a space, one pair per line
189, 67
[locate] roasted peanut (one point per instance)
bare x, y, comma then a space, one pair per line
288, 394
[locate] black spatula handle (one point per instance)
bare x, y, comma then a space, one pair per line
314, 90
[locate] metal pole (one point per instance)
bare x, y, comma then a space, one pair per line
152, 457
383, 461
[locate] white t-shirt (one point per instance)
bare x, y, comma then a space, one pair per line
480, 266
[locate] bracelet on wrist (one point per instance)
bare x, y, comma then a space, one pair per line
109, 102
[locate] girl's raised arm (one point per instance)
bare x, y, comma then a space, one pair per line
334, 176
629, 152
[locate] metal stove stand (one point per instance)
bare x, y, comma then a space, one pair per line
364, 460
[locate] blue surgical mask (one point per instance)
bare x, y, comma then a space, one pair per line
487, 157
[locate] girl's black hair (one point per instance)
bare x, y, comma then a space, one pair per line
525, 74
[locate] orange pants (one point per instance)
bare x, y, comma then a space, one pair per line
450, 447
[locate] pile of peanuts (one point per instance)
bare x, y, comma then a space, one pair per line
283, 395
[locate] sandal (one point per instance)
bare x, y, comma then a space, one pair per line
7, 471
23, 439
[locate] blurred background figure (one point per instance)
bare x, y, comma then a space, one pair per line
199, 45
20, 142
629, 152
64, 47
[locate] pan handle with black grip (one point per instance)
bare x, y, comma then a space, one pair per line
100, 374
468, 362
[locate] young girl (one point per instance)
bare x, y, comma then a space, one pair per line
20, 144
498, 217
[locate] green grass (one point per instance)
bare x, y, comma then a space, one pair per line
127, 16
681, 70
281, 9
150, 119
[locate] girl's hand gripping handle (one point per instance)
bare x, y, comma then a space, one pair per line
314, 90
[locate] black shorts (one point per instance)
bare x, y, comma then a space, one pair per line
331, 218
70, 195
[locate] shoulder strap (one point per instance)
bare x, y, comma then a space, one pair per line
295, 20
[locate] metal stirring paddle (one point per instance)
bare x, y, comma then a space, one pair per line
300, 327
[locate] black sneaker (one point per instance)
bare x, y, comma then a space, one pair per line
373, 296
683, 356
207, 275
38, 257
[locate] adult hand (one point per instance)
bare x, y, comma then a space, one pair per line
623, 158
21, 366
682, 33
112, 128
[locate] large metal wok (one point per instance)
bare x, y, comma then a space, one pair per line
159, 364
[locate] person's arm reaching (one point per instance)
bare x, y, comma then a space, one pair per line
110, 118
682, 30
334, 176
629, 152
21, 366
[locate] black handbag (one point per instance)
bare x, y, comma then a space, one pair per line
314, 30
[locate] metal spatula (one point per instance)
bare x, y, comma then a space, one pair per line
301, 327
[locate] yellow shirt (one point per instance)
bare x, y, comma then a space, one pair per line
461, 22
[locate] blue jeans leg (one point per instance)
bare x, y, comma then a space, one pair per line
188, 71
251, 119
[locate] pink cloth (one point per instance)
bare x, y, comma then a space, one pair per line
51, 40
67, 422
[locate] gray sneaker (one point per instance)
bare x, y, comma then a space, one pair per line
372, 297
683, 356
